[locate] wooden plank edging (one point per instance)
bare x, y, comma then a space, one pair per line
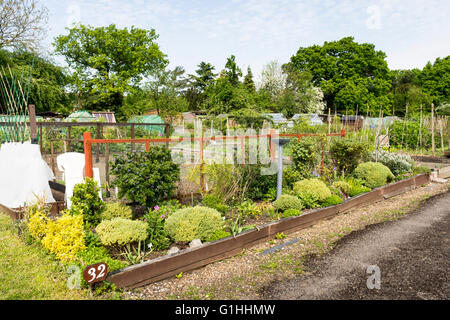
189, 259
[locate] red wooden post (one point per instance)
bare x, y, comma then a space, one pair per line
272, 144
88, 172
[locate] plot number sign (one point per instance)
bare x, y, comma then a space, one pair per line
95, 272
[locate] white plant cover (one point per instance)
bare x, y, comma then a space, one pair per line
24, 175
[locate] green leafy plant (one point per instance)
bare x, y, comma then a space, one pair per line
219, 234
146, 178
311, 191
347, 153
280, 236
305, 155
291, 213
86, 201
116, 209
356, 187
421, 170
192, 223
249, 208
331, 201
343, 186
374, 174
286, 201
215, 202
157, 237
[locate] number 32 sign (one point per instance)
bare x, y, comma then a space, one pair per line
95, 272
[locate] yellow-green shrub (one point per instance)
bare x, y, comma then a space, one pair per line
374, 174
312, 187
120, 231
192, 223
65, 237
37, 224
286, 202
115, 210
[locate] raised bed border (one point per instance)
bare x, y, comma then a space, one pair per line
192, 258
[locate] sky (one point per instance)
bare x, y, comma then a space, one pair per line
410, 32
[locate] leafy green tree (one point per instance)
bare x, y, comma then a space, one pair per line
204, 77
350, 74
299, 95
248, 83
166, 93
49, 82
232, 71
109, 62
435, 80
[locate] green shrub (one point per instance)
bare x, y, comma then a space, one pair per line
292, 175
343, 186
305, 155
115, 210
249, 208
291, 213
256, 186
157, 237
192, 223
421, 169
146, 178
286, 202
219, 234
347, 153
86, 201
356, 187
374, 174
121, 231
331, 201
309, 200
314, 187
93, 255
397, 163
215, 202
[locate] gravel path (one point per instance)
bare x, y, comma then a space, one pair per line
412, 254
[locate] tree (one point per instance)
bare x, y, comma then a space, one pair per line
273, 78
248, 83
348, 73
49, 83
232, 71
22, 23
299, 95
435, 80
204, 77
109, 62
166, 93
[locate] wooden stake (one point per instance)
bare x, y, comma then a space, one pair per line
442, 136
432, 129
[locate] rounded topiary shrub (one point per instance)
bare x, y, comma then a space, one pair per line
120, 231
116, 210
286, 202
192, 223
312, 187
373, 174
